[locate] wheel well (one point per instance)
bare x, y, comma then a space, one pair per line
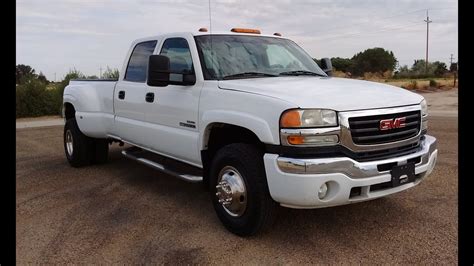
69, 111
220, 135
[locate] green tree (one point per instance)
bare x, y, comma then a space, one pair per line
42, 78
402, 72
92, 77
110, 73
341, 64
33, 99
57, 93
24, 73
419, 69
373, 60
403, 69
73, 74
439, 68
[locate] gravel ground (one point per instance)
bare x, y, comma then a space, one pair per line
123, 212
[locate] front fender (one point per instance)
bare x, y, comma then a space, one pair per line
257, 125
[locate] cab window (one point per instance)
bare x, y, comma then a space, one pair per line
177, 50
138, 63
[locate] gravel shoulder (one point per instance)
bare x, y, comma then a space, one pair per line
442, 100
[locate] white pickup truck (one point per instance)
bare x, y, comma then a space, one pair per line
256, 120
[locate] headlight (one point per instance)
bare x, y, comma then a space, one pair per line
298, 118
424, 108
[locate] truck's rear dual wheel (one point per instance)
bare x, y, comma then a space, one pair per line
239, 189
82, 150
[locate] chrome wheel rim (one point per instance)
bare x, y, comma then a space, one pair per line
69, 143
231, 192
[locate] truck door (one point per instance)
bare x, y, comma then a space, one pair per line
129, 95
172, 113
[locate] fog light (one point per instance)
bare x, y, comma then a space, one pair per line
323, 190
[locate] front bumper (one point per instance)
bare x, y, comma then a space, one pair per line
295, 182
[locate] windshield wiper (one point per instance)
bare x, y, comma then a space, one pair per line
249, 75
300, 72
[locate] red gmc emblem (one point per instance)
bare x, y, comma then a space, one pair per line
387, 124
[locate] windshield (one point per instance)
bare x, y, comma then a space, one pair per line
237, 56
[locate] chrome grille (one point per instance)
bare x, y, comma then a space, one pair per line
365, 130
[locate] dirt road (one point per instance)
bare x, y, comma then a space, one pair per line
124, 212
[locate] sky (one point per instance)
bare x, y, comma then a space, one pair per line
55, 36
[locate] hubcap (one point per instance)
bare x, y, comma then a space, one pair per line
69, 143
231, 192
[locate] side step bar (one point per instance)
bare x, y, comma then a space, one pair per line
134, 154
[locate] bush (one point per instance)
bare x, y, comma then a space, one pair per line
410, 75
372, 60
339, 74
433, 83
341, 64
373, 76
418, 70
413, 85
110, 73
387, 74
33, 99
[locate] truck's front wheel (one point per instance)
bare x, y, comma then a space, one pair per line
239, 189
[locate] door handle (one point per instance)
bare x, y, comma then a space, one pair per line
150, 97
121, 95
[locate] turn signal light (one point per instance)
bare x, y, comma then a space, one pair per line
290, 118
310, 140
242, 30
296, 140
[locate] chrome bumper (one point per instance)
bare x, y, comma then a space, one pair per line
351, 167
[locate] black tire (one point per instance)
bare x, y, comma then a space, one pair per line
82, 146
260, 208
101, 151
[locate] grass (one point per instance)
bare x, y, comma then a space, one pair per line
441, 83
408, 83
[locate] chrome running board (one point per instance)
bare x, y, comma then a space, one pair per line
139, 155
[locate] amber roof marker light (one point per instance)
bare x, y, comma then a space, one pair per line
203, 29
243, 30
277, 34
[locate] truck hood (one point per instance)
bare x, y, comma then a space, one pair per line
338, 94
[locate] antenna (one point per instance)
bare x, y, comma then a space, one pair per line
210, 36
210, 21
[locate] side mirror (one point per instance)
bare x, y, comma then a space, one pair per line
326, 65
158, 71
